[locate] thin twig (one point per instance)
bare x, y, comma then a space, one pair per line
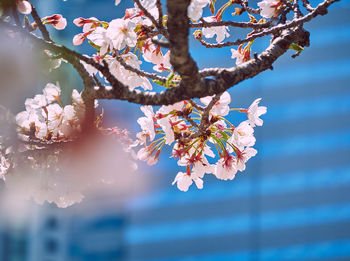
41, 26
203, 23
152, 76
195, 105
188, 118
244, 4
321, 9
204, 123
151, 17
307, 5
160, 13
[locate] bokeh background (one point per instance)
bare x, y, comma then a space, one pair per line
292, 202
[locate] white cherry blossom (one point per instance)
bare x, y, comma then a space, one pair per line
183, 181
243, 135
243, 156
121, 33
24, 7
269, 8
202, 167
254, 112
52, 92
147, 123
55, 113
238, 55
165, 122
221, 32
226, 168
35, 103
146, 154
4, 165
195, 9
129, 78
100, 38
151, 7
221, 106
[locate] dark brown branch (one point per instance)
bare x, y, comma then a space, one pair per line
205, 123
296, 9
230, 23
195, 105
192, 122
148, 35
161, 43
41, 26
244, 4
224, 78
152, 76
307, 5
149, 16
205, 116
160, 13
178, 27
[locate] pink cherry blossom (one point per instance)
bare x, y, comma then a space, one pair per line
78, 39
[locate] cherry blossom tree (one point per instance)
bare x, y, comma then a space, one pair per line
194, 104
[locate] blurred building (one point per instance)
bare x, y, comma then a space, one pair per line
292, 202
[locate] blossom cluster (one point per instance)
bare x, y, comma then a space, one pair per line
52, 151
46, 118
119, 36
135, 33
202, 138
177, 125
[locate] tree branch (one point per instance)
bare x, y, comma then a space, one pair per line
223, 78
41, 26
230, 23
149, 16
321, 9
153, 76
178, 27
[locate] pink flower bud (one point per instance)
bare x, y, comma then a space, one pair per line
56, 21
79, 39
79, 21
